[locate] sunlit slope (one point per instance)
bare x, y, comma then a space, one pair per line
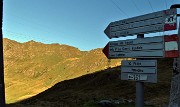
102, 85
32, 67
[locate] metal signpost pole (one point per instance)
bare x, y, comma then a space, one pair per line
139, 94
2, 88
140, 86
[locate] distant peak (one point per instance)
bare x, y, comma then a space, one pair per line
33, 42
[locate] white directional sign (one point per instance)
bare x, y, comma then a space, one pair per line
150, 70
139, 70
151, 47
152, 78
137, 77
154, 22
139, 63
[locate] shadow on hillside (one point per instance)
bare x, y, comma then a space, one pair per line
104, 84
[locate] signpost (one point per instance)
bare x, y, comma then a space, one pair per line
142, 70
151, 47
139, 70
154, 22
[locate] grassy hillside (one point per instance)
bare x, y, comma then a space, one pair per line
104, 84
33, 67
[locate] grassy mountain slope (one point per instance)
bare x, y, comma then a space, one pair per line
104, 84
33, 67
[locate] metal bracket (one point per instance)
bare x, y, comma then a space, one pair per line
175, 6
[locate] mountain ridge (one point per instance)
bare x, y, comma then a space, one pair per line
40, 66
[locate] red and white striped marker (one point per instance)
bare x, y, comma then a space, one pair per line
171, 46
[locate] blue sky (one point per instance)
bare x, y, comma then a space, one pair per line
78, 23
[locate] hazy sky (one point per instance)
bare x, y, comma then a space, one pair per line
79, 23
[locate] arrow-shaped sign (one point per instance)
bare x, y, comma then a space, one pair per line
154, 22
151, 47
